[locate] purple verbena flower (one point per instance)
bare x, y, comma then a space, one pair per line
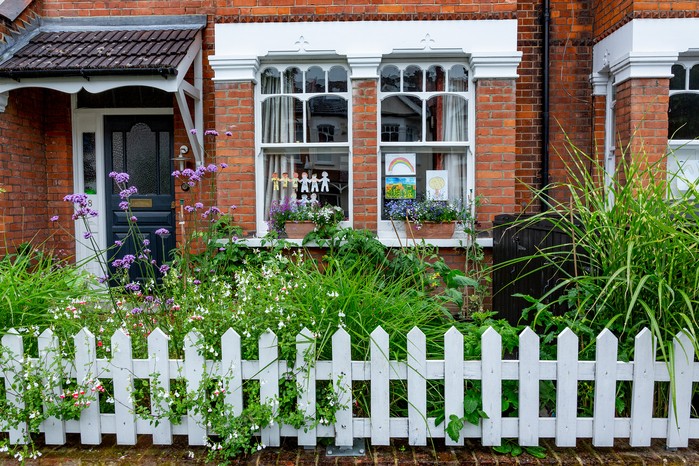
228, 133
162, 232
146, 242
87, 235
210, 132
54, 218
224, 165
198, 205
212, 168
134, 218
120, 178
189, 208
124, 205
164, 268
193, 131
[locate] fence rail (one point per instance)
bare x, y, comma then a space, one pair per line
563, 424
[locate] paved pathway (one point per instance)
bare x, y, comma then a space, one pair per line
398, 454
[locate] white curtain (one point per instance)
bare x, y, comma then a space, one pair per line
278, 126
455, 128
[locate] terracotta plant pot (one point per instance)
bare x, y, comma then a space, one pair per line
298, 229
430, 230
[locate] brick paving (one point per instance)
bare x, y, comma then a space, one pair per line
145, 453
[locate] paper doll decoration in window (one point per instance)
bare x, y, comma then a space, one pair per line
304, 199
324, 180
275, 181
314, 183
295, 181
304, 182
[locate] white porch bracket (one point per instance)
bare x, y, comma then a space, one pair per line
194, 126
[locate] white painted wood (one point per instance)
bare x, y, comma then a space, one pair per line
14, 347
269, 383
194, 365
380, 388
342, 381
86, 372
491, 349
453, 380
606, 351
122, 374
306, 379
159, 364
528, 388
50, 359
417, 388
642, 389
566, 389
232, 370
680, 401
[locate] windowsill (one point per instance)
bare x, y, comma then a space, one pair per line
255, 242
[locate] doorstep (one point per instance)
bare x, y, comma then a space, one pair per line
145, 453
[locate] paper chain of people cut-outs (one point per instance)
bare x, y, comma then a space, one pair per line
312, 184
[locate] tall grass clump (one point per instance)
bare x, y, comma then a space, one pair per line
634, 249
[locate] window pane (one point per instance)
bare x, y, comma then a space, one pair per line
678, 77
434, 79
694, 77
390, 79
282, 120
293, 81
307, 175
447, 118
315, 80
337, 79
327, 112
416, 168
683, 116
458, 79
405, 112
270, 82
89, 164
412, 79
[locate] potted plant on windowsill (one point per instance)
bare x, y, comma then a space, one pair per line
297, 218
427, 218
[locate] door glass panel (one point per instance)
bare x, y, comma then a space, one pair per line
140, 147
89, 164
117, 155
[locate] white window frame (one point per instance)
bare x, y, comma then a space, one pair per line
304, 96
682, 151
385, 228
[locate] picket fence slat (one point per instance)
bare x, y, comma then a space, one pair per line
417, 388
159, 375
122, 363
85, 368
605, 389
408, 378
342, 380
50, 359
269, 383
528, 388
380, 388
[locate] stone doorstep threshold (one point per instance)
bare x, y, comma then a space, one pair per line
399, 453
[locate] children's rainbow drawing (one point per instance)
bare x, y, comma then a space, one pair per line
400, 164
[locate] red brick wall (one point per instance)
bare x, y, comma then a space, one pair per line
23, 206
495, 148
364, 150
641, 118
610, 16
236, 184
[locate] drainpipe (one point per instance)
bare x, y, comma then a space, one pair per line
544, 175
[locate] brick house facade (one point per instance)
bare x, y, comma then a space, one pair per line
610, 79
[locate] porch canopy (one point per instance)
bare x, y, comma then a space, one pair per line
98, 54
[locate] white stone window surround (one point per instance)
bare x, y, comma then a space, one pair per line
489, 47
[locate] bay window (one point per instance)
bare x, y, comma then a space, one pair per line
683, 127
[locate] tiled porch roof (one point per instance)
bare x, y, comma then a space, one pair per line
67, 50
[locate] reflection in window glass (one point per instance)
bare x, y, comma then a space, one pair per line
280, 116
328, 110
406, 112
390, 79
447, 118
458, 79
337, 79
89, 164
315, 80
694, 78
293, 81
414, 168
434, 79
677, 81
305, 176
270, 81
412, 79
683, 117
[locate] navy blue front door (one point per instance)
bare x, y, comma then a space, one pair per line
142, 146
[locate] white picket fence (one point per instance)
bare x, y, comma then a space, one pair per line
564, 425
